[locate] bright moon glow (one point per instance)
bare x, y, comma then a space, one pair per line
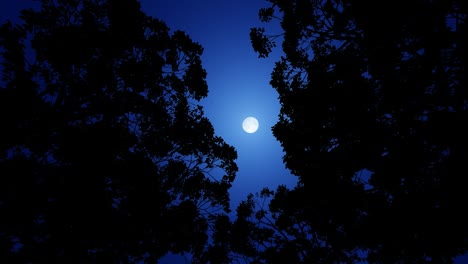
250, 124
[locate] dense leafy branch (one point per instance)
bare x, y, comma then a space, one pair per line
372, 104
105, 148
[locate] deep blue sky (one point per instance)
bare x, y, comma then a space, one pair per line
238, 83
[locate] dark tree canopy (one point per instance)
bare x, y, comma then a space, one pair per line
373, 122
105, 153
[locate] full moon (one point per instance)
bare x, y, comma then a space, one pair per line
250, 125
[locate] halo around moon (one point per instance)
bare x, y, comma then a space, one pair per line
250, 125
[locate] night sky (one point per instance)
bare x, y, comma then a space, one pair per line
238, 83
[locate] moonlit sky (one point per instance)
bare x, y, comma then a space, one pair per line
238, 83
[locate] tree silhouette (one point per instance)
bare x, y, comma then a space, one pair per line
373, 123
105, 155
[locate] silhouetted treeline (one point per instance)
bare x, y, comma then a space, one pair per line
374, 111
105, 154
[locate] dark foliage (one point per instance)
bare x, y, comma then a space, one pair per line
105, 155
374, 113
